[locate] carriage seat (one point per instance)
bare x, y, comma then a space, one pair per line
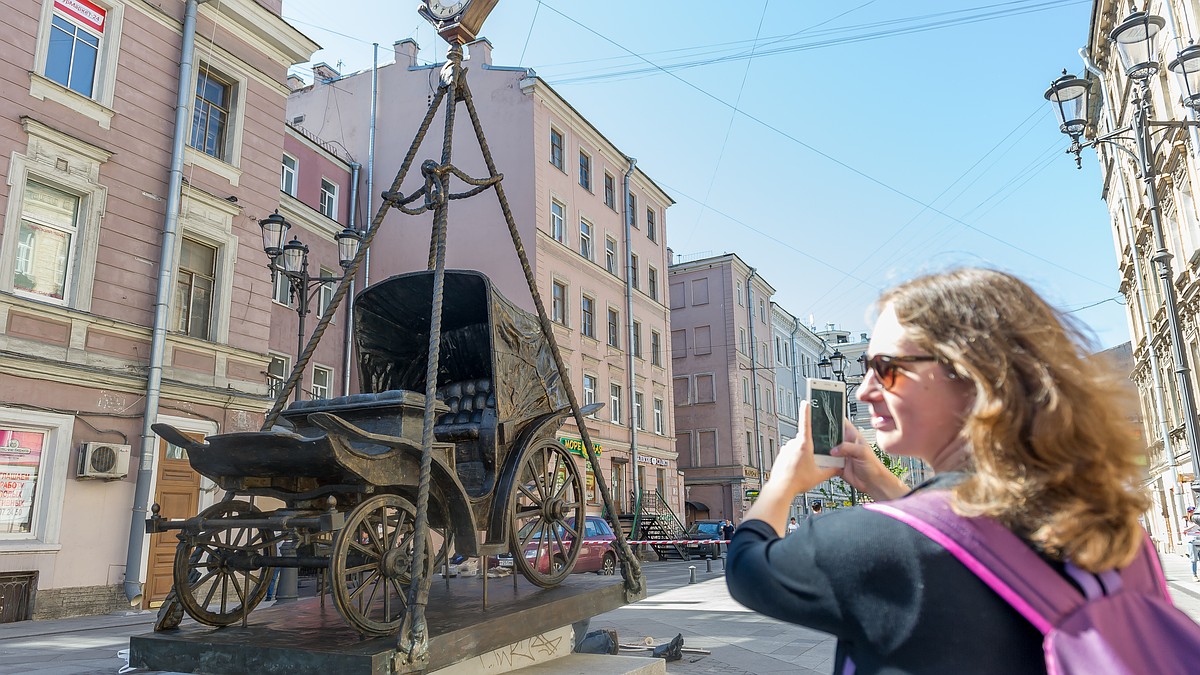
472, 406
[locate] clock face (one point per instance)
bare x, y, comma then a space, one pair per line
445, 9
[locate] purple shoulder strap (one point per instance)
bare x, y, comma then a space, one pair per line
1006, 563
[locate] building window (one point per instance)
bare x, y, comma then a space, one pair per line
277, 373
585, 239
589, 390
651, 233
587, 308
637, 339
610, 191
46, 245
322, 382
639, 414
325, 292
610, 256
74, 50
556, 148
634, 264
210, 117
614, 403
631, 208
658, 417
745, 390
557, 212
762, 310
38, 446
652, 282
194, 285
750, 448
738, 292
614, 329
655, 348
558, 309
329, 192
282, 291
742, 341
287, 180
585, 171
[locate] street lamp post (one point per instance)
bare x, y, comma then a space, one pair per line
1134, 39
291, 260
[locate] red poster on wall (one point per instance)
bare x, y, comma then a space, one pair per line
86, 13
20, 456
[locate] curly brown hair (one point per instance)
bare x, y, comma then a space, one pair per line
1054, 456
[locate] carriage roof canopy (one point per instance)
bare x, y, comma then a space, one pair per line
484, 336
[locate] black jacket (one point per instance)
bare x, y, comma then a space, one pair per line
896, 601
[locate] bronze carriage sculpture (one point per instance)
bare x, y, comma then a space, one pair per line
347, 468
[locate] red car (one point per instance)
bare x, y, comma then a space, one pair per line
600, 558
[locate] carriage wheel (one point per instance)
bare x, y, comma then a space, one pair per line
546, 516
210, 573
372, 556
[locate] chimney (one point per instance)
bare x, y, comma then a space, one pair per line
481, 51
323, 71
294, 82
406, 52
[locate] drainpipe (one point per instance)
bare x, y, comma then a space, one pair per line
1147, 326
629, 361
754, 374
371, 156
166, 269
796, 388
351, 223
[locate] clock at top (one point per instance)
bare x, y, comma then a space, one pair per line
457, 21
446, 9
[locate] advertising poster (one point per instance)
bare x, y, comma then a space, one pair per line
20, 456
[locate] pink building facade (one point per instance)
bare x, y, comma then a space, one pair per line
87, 192
565, 183
727, 429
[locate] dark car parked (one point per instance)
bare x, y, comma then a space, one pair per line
705, 529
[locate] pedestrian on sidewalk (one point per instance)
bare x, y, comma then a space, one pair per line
1191, 532
792, 525
974, 373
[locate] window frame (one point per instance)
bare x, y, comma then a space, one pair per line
312, 392
639, 410
652, 282
558, 221
179, 274
631, 209
589, 393
325, 292
614, 402
295, 175
610, 191
611, 255
52, 473
99, 106
659, 425
655, 348
558, 302
613, 322
229, 166
329, 199
587, 316
587, 241
72, 231
286, 360
634, 277
651, 224
585, 170
637, 339
558, 160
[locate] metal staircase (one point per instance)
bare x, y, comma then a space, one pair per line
653, 519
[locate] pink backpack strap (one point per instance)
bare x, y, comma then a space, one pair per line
998, 557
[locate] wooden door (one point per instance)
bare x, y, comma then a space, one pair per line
178, 496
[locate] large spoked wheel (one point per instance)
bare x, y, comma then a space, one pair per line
212, 573
547, 514
372, 557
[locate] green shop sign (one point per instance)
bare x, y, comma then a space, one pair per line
575, 446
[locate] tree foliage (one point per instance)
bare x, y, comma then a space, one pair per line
837, 493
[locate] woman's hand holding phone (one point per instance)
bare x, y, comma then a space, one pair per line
864, 471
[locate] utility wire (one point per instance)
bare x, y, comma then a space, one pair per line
831, 158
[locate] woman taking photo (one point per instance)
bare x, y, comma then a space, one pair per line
972, 372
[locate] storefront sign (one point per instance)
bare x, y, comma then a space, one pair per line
656, 461
84, 12
575, 446
749, 472
19, 461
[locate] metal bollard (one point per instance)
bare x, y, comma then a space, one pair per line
708, 565
691, 574
722, 564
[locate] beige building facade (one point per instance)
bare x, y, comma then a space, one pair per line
570, 190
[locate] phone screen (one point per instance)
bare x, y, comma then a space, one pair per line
827, 417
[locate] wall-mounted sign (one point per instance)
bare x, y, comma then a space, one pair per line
751, 495
749, 472
84, 12
656, 461
575, 446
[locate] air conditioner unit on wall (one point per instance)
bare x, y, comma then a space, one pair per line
103, 460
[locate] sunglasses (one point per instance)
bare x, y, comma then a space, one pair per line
888, 367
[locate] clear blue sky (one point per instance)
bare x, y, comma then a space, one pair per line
837, 147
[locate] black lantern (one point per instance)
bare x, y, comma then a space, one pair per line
348, 242
274, 229
838, 360
823, 367
1069, 94
1187, 67
295, 256
1135, 43
862, 364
